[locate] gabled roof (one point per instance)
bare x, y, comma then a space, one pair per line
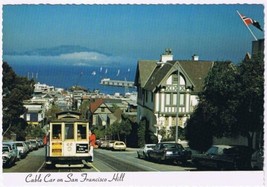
162, 72
197, 71
144, 70
47, 96
157, 76
151, 75
95, 105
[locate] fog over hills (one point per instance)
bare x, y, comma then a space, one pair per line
66, 55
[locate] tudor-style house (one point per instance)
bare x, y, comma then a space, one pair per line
158, 97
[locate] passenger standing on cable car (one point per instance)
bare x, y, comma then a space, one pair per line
92, 140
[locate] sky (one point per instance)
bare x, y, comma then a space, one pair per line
106, 34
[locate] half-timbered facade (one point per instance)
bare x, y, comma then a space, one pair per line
157, 82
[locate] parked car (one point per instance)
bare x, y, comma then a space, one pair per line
110, 144
40, 143
119, 146
224, 157
13, 148
99, 142
8, 156
34, 144
257, 160
142, 153
104, 144
22, 148
169, 152
29, 144
192, 151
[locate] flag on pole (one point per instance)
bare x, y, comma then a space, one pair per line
249, 21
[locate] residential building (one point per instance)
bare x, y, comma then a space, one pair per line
38, 87
159, 90
35, 113
98, 112
258, 49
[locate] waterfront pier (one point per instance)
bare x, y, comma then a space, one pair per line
119, 83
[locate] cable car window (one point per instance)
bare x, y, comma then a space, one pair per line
81, 131
69, 131
56, 131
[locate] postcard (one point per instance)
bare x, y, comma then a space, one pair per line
133, 93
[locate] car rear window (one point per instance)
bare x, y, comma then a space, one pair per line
4, 149
10, 147
119, 143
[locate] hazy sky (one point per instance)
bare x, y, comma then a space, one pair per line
128, 32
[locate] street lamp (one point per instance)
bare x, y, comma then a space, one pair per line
177, 95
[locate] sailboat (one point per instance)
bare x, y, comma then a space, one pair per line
118, 72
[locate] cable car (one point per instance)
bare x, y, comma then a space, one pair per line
67, 143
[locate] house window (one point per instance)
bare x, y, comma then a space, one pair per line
33, 117
174, 79
102, 109
174, 99
168, 99
182, 99
28, 117
152, 97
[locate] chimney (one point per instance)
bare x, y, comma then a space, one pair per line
167, 56
195, 57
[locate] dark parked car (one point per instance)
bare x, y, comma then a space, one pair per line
170, 152
224, 157
257, 160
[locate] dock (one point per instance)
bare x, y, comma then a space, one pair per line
119, 83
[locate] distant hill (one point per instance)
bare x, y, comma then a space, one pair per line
55, 51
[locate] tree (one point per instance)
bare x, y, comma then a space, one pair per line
99, 131
34, 131
181, 133
220, 99
141, 130
197, 130
115, 129
126, 128
251, 99
231, 103
84, 108
119, 130
145, 135
53, 110
16, 89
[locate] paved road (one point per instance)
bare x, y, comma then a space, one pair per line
109, 168
104, 161
32, 163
